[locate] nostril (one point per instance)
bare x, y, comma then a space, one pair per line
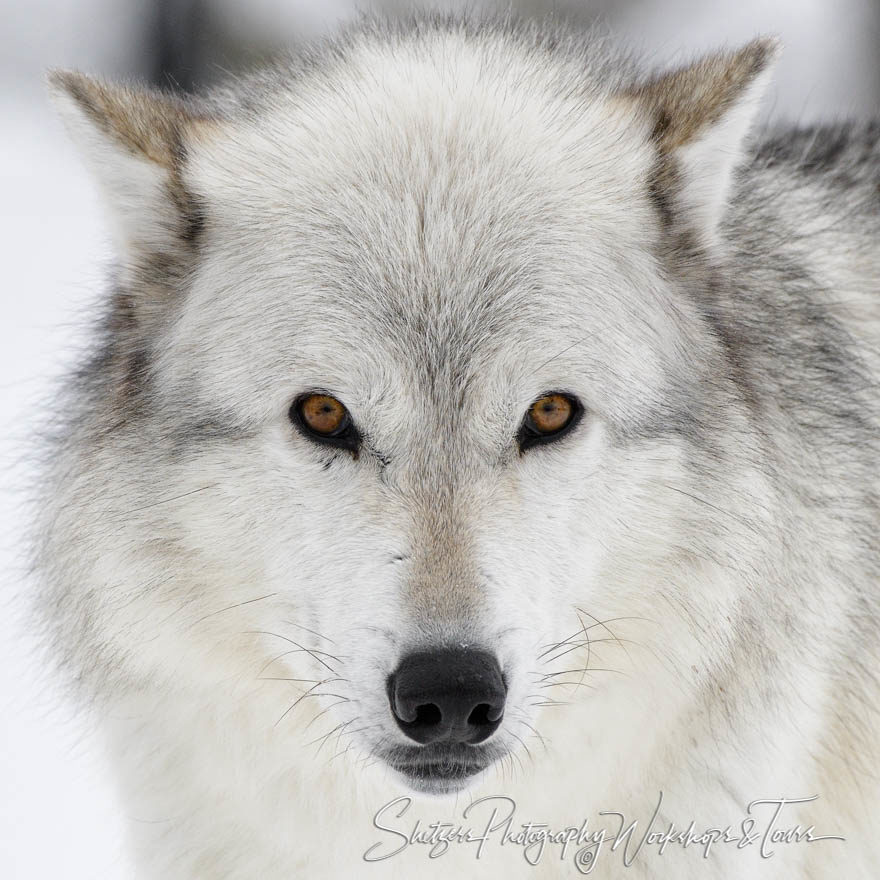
428, 715
480, 715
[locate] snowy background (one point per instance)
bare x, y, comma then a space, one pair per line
57, 814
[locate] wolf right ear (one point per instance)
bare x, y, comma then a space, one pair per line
699, 118
134, 141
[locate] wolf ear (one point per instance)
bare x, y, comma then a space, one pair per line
134, 142
701, 115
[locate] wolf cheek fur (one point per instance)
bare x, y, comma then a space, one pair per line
436, 227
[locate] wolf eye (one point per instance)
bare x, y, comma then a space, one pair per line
325, 419
548, 418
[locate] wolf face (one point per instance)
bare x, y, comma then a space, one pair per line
404, 399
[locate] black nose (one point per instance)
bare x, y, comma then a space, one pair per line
447, 695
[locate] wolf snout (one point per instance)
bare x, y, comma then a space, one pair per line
447, 695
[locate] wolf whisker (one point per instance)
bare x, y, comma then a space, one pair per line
301, 697
161, 501
534, 732
278, 657
231, 607
520, 740
573, 646
312, 631
283, 678
351, 744
312, 651
581, 669
323, 739
589, 650
564, 350
344, 751
327, 708
544, 700
576, 633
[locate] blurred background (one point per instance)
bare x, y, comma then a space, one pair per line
57, 815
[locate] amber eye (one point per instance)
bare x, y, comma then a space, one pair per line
551, 413
325, 419
548, 418
322, 413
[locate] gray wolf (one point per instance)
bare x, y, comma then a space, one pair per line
475, 414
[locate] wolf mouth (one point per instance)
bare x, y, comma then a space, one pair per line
440, 768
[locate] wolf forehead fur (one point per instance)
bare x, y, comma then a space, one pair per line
437, 224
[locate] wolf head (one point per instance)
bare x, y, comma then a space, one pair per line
406, 385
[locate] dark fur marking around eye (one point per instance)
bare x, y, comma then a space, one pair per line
194, 436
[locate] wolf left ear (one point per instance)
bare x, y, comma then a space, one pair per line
134, 140
700, 117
